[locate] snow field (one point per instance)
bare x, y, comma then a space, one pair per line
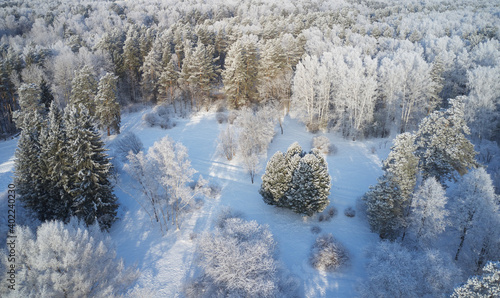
166, 262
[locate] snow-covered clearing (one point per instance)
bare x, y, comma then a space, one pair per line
167, 261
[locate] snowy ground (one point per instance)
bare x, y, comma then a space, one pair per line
166, 262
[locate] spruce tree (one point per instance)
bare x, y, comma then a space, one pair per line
168, 80
89, 185
54, 157
310, 186
46, 96
28, 173
297, 181
385, 208
107, 108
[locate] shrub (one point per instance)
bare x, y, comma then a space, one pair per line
349, 212
322, 143
221, 117
68, 259
238, 260
126, 143
161, 116
327, 254
227, 143
315, 229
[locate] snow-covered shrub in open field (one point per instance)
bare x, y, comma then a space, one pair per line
239, 260
161, 116
328, 254
322, 143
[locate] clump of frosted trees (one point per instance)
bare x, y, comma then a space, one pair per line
297, 181
164, 177
415, 214
61, 167
66, 259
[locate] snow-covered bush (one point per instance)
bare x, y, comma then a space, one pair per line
238, 260
126, 143
67, 260
395, 271
328, 254
315, 229
485, 285
297, 180
321, 143
227, 143
350, 212
161, 116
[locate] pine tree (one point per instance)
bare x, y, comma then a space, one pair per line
83, 89
29, 101
168, 80
403, 164
442, 147
132, 59
240, 75
107, 109
151, 72
90, 189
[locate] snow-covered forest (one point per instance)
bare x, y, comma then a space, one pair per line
315, 148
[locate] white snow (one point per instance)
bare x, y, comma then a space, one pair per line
167, 261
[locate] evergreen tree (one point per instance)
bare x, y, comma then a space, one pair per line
310, 186
28, 173
83, 89
442, 147
107, 109
89, 185
168, 80
276, 180
297, 181
132, 59
402, 164
385, 208
29, 101
54, 157
46, 96
240, 75
151, 72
